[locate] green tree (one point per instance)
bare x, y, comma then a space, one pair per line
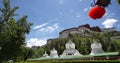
12, 32
41, 51
24, 54
118, 2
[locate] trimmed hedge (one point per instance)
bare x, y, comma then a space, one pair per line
74, 61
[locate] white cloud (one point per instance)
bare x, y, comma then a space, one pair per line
35, 42
45, 27
80, 0
109, 23
85, 9
55, 19
50, 28
78, 15
60, 13
61, 2
40, 26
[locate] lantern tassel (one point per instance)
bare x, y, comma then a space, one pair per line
103, 3
93, 4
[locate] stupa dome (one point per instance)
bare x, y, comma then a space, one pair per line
96, 48
69, 45
53, 53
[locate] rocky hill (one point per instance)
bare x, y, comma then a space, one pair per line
84, 30
81, 30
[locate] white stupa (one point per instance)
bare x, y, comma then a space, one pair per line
53, 53
45, 54
70, 49
96, 48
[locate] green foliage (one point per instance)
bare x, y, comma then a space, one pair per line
24, 54
118, 1
12, 32
83, 42
112, 34
38, 53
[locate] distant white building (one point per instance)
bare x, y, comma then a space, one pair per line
108, 29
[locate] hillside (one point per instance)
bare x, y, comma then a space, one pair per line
109, 38
86, 30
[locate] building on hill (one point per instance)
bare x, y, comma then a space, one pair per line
79, 30
65, 33
49, 41
86, 26
108, 29
96, 29
82, 30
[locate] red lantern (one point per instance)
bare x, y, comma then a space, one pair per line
96, 12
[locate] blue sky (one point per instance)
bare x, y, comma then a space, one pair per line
52, 16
